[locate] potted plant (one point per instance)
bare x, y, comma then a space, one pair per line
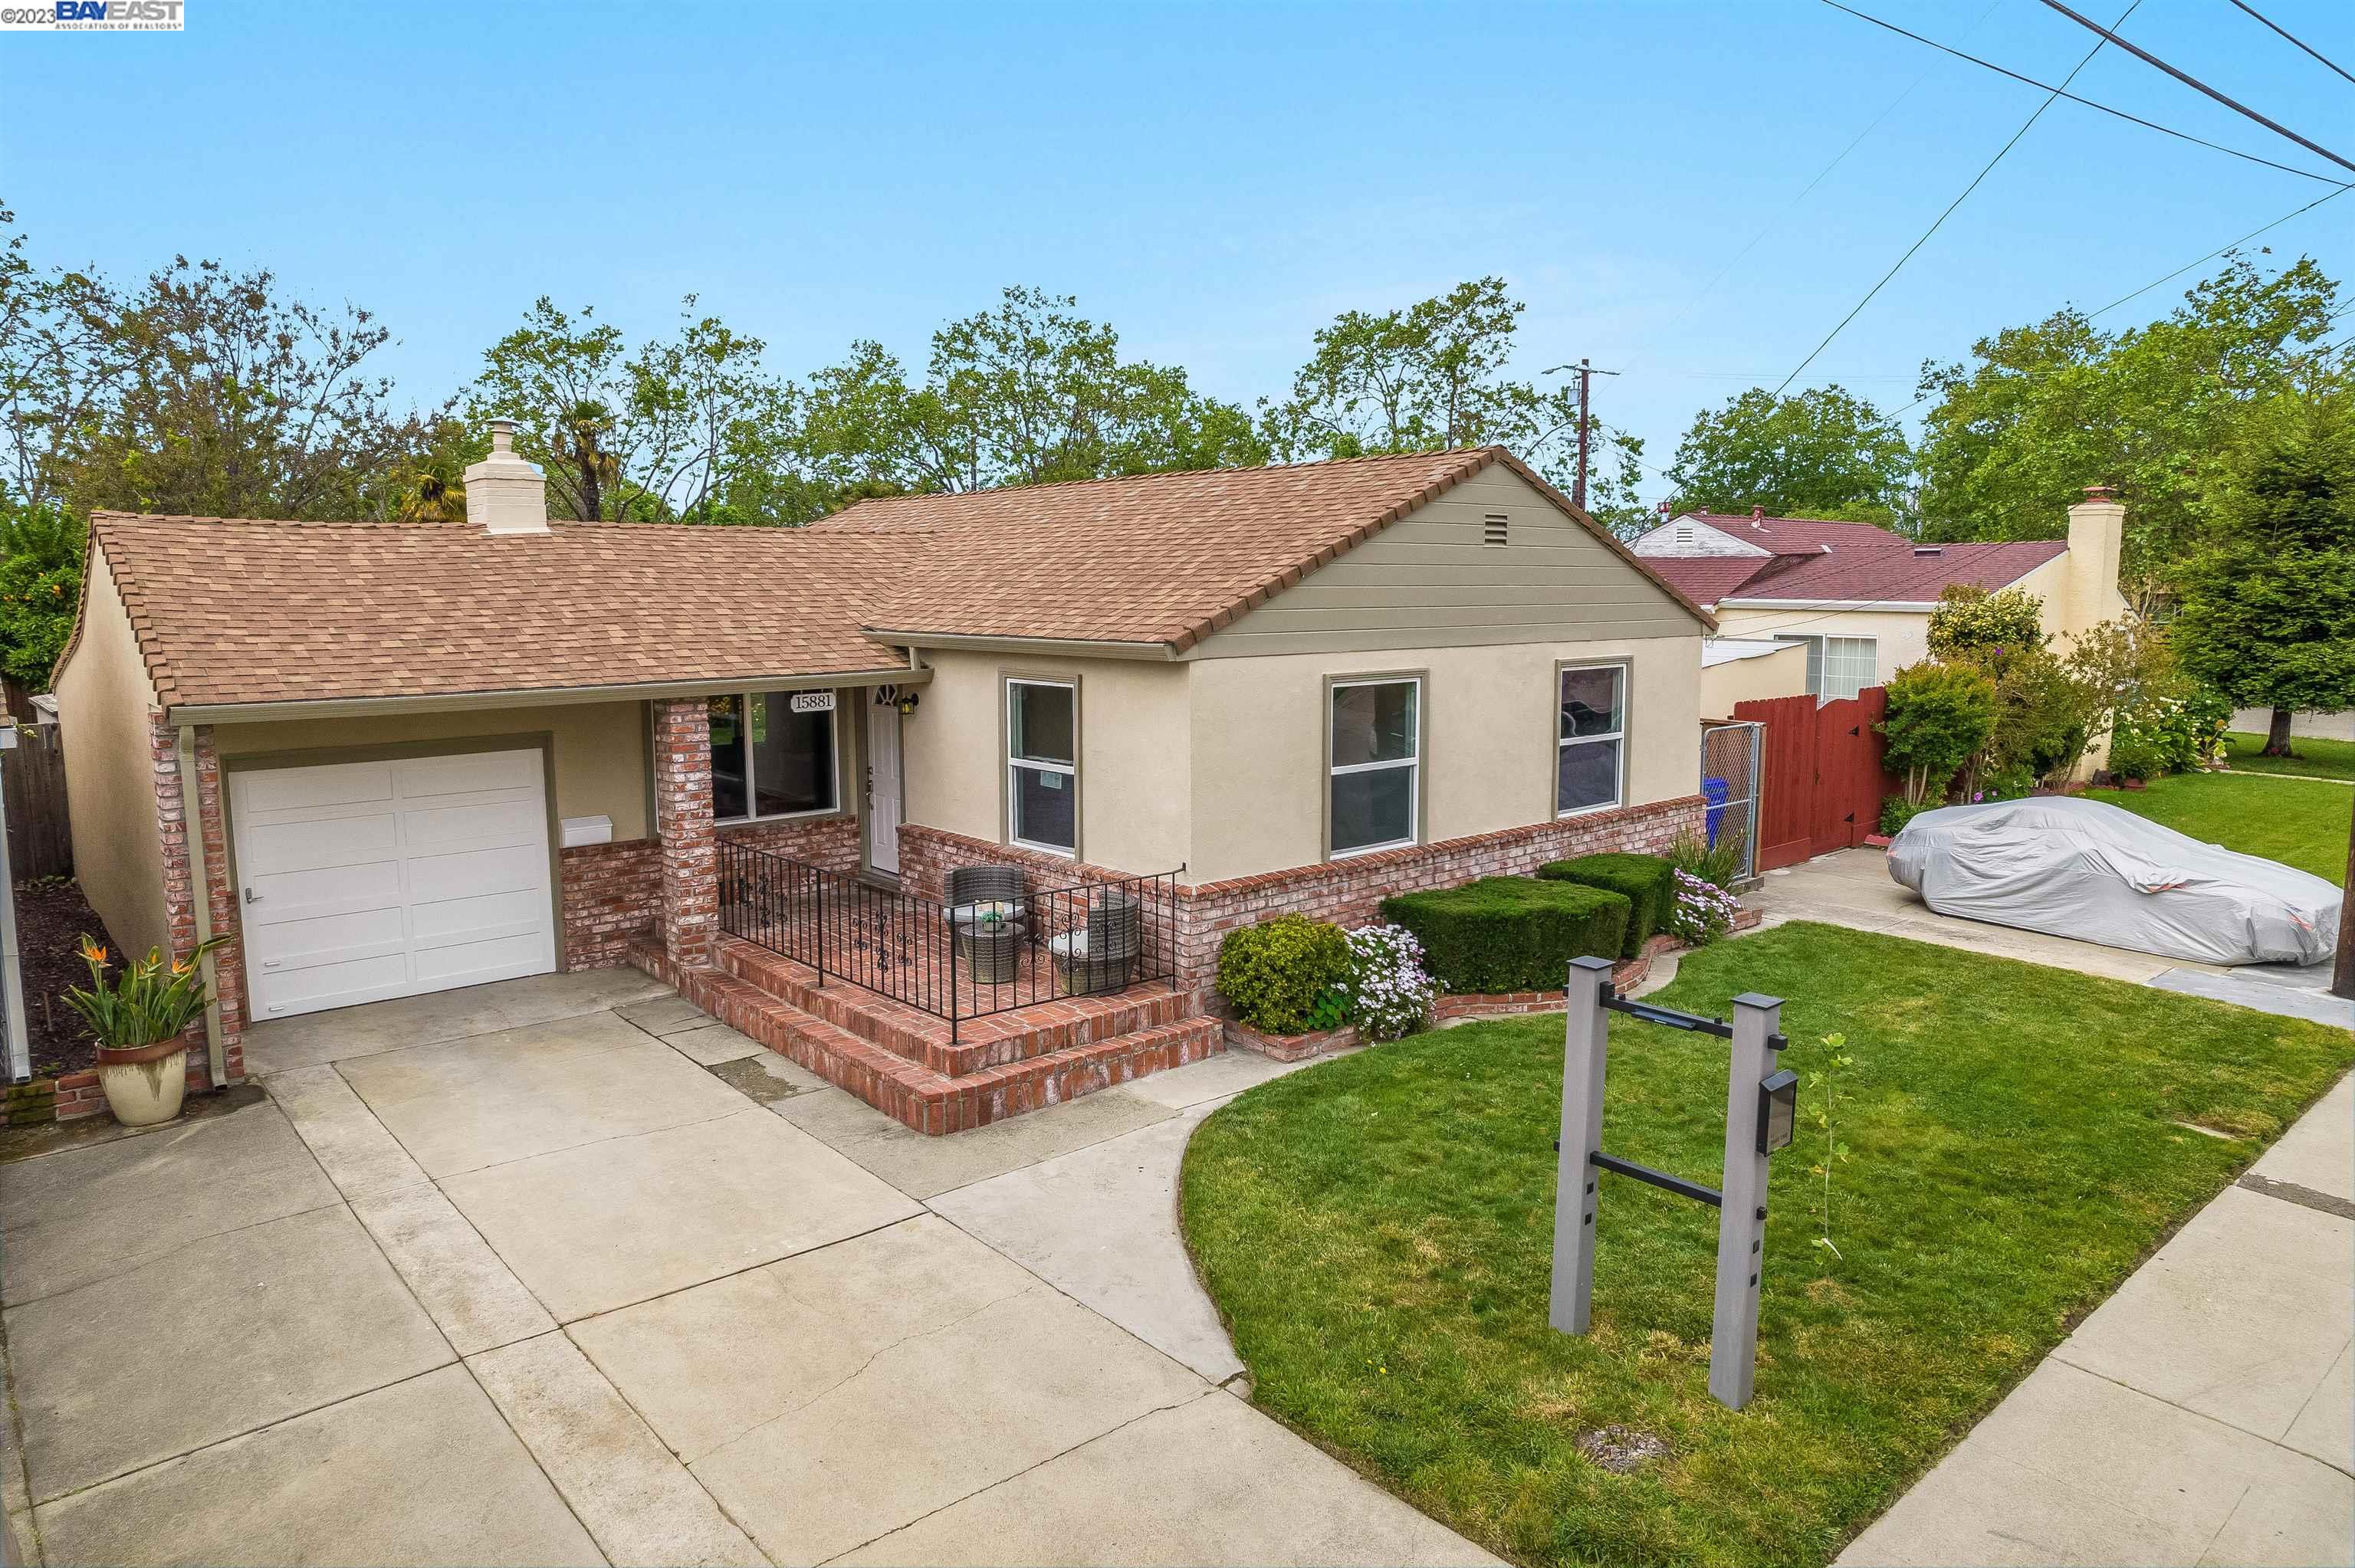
140, 1021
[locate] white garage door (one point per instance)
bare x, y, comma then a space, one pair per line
366, 880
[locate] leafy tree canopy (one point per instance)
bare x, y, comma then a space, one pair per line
41, 588
2043, 410
1823, 452
2268, 614
1430, 377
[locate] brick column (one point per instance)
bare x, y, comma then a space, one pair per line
185, 882
690, 858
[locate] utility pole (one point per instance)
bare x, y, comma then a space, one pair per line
1586, 374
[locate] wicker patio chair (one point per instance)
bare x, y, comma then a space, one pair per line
1103, 956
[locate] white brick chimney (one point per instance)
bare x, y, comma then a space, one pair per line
505, 495
2096, 540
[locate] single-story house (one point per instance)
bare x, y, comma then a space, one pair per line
1855, 598
388, 759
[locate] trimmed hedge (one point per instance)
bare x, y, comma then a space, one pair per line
1510, 933
1272, 973
1648, 882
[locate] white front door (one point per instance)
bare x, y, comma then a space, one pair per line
883, 787
360, 881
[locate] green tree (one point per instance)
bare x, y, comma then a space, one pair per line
2268, 614
41, 588
1972, 622
2042, 410
1823, 452
1940, 715
1430, 377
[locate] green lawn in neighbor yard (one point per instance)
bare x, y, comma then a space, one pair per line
2315, 759
2298, 822
1376, 1231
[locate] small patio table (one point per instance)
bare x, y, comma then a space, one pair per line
988, 939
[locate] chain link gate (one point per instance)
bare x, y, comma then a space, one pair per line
1729, 753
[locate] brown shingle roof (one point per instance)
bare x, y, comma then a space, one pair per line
1796, 536
1166, 558
1705, 579
239, 611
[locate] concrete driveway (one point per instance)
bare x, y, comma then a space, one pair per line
560, 1271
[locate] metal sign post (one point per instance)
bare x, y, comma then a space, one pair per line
1758, 1105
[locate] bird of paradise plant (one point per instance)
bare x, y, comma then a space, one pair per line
153, 999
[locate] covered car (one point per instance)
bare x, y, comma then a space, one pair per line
2078, 868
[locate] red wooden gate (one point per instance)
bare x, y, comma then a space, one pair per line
1820, 781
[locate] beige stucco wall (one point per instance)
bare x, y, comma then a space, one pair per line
105, 699
601, 749
1489, 741
1133, 746
1904, 635
1783, 674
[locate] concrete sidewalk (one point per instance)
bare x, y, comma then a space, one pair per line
2200, 1416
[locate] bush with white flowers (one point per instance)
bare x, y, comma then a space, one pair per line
1702, 912
1390, 994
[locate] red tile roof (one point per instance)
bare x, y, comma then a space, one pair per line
1893, 574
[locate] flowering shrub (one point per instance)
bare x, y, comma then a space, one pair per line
151, 1001
1702, 912
1389, 993
2168, 732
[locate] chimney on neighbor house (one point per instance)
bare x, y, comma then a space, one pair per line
505, 494
2097, 527
1757, 516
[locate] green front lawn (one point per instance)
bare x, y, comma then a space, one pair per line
1378, 1232
2298, 822
2315, 759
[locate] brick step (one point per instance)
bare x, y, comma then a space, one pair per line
994, 1040
915, 1095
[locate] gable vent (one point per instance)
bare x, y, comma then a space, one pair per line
1928, 550
1495, 530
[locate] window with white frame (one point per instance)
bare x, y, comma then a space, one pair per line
1374, 784
1841, 666
773, 755
1043, 765
1591, 766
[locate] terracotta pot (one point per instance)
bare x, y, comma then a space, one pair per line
145, 1083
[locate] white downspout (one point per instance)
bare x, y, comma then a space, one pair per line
192, 818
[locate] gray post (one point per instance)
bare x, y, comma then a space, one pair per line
1741, 1223
12, 967
1586, 1035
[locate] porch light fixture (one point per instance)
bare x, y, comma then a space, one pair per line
1778, 1110
893, 697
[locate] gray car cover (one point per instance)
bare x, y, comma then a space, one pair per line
2079, 868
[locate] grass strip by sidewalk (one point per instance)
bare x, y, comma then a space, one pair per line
1376, 1231
2298, 822
2315, 759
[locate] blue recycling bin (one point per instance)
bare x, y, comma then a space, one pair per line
1716, 791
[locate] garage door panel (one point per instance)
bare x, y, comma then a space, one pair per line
474, 963
378, 880
434, 877
281, 789
330, 890
300, 847
468, 773
336, 985
337, 938
447, 920
518, 821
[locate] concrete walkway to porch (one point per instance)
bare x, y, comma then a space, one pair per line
560, 1271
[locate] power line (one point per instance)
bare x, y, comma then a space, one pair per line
2318, 54
2050, 100
2119, 113
2109, 35
2219, 250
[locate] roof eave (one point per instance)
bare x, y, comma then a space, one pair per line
1899, 605
987, 642
537, 696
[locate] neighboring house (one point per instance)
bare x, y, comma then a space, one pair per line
1856, 600
390, 759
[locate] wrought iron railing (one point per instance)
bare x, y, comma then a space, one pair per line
982, 955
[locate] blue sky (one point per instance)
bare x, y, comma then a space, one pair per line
1216, 181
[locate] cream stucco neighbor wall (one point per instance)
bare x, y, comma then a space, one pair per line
1782, 673
601, 749
1132, 764
104, 701
1490, 741
1902, 636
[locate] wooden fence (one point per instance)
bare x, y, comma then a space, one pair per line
40, 835
1822, 782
